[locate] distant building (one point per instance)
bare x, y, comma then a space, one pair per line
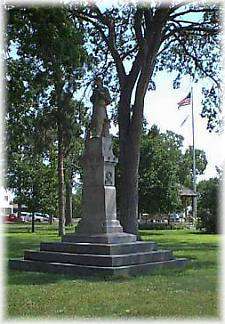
6, 204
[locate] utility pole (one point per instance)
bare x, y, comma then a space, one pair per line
194, 199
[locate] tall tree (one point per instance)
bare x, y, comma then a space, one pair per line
51, 47
134, 42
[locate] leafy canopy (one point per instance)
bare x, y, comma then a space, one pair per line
163, 169
131, 43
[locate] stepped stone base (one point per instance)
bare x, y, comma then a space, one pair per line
86, 258
100, 238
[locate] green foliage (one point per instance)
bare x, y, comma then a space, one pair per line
163, 169
158, 182
186, 166
208, 205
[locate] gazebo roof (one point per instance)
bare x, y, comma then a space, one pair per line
187, 192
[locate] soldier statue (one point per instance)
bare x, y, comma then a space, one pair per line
100, 99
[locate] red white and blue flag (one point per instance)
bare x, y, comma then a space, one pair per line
186, 101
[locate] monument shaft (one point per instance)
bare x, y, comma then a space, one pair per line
99, 214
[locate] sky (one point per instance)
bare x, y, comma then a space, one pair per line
161, 109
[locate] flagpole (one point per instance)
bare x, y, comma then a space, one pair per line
194, 200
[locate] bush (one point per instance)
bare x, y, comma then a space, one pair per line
155, 226
207, 221
208, 205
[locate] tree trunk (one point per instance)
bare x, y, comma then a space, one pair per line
129, 163
68, 211
61, 200
32, 222
130, 128
19, 209
129, 192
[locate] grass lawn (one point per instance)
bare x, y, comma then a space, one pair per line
192, 293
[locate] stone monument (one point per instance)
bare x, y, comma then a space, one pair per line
99, 245
99, 223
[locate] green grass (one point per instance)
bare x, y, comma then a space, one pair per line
192, 293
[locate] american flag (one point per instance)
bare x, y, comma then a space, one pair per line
184, 102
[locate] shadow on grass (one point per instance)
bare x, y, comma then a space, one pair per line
16, 277
186, 246
148, 233
27, 229
203, 233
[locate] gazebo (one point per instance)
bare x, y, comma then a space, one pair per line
186, 193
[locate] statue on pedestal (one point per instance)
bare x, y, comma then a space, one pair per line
99, 222
99, 121
99, 245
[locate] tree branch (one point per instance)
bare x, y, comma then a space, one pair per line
153, 42
112, 43
192, 22
110, 40
166, 46
148, 15
178, 6
135, 70
196, 61
137, 27
207, 30
129, 52
192, 11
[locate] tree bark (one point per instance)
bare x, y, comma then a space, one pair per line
129, 187
129, 162
129, 140
61, 200
130, 127
32, 222
68, 210
19, 209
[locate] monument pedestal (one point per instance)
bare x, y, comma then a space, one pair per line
99, 244
99, 222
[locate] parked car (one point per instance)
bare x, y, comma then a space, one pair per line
42, 217
47, 218
25, 217
12, 218
38, 217
176, 217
